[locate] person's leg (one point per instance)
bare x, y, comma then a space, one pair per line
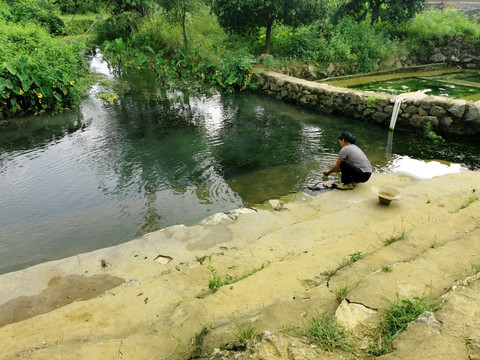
351, 174
347, 170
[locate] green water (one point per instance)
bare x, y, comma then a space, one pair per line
428, 86
103, 174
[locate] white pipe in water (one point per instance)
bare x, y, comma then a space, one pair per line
396, 109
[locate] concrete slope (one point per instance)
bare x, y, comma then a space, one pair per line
290, 265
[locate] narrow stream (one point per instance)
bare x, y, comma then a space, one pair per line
103, 174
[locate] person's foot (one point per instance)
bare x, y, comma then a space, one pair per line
345, 187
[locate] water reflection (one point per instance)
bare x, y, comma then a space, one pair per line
155, 159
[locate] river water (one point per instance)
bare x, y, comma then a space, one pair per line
103, 174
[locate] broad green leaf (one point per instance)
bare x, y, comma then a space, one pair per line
4, 83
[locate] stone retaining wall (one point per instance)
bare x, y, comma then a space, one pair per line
469, 8
447, 116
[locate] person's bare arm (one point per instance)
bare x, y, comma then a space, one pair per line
335, 168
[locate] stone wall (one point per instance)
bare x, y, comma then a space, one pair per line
469, 8
457, 53
447, 116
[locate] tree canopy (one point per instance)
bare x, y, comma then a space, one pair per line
393, 11
247, 16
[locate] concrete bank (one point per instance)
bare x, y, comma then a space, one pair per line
150, 299
446, 116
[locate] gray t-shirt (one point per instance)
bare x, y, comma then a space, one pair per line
355, 156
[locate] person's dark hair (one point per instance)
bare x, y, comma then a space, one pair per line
346, 136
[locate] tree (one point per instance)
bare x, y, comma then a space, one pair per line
393, 11
178, 9
247, 16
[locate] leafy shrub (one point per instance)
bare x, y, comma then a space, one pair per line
349, 41
37, 72
51, 22
41, 12
441, 25
118, 26
433, 28
234, 72
78, 6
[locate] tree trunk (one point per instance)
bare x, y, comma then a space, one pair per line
184, 17
375, 9
267, 37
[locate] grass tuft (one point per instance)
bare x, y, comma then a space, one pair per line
245, 333
468, 202
394, 238
325, 332
216, 281
342, 292
396, 319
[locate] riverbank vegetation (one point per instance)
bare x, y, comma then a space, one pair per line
200, 45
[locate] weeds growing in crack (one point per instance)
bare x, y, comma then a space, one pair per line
216, 281
354, 257
476, 269
394, 238
342, 292
468, 202
246, 332
327, 333
395, 320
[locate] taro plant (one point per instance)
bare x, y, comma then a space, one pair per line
235, 71
37, 72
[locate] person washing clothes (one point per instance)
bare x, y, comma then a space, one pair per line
352, 163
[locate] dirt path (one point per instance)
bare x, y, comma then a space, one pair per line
293, 263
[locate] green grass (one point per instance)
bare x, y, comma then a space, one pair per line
476, 268
394, 238
342, 292
215, 281
327, 333
468, 202
245, 332
396, 319
354, 257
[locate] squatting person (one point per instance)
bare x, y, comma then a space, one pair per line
352, 163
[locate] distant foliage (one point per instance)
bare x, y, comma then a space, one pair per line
349, 41
439, 26
119, 26
79, 6
247, 16
391, 11
43, 13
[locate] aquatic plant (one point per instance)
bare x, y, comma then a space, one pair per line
428, 133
